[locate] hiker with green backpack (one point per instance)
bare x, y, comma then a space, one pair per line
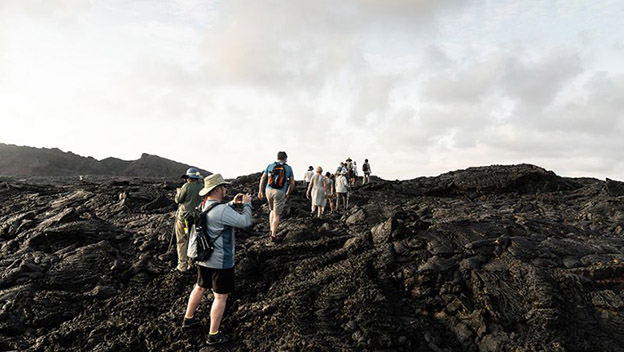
276, 183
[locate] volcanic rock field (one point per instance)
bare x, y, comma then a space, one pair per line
495, 258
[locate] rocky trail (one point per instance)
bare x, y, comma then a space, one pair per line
496, 258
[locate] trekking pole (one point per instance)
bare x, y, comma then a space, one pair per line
172, 235
347, 207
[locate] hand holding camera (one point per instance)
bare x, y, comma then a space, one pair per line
242, 198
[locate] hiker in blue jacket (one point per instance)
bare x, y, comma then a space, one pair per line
217, 272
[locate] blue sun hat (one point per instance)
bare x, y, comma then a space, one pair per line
193, 174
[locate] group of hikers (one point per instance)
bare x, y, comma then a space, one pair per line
330, 188
276, 184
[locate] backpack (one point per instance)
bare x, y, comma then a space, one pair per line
277, 176
365, 167
200, 245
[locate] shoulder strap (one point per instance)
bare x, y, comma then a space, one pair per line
205, 212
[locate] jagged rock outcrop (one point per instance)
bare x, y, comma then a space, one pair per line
497, 258
29, 161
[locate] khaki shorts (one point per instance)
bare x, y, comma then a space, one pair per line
277, 199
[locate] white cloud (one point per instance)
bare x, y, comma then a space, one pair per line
537, 82
418, 87
464, 85
64, 10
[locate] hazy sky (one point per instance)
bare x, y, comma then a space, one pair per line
419, 87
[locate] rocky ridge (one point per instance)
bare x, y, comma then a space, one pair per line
497, 258
30, 161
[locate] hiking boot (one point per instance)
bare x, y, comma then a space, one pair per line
217, 338
277, 238
189, 323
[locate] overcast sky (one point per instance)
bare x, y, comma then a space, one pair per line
419, 87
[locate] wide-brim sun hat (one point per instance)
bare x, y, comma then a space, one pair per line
212, 181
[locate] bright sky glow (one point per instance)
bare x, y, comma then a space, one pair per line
419, 87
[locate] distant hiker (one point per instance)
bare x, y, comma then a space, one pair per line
188, 199
217, 273
367, 171
308, 176
278, 182
340, 169
342, 190
355, 173
317, 191
348, 164
331, 195
350, 174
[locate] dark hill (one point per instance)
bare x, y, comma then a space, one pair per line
496, 258
29, 161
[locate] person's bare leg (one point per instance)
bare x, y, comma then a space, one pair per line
216, 311
194, 300
274, 223
271, 222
